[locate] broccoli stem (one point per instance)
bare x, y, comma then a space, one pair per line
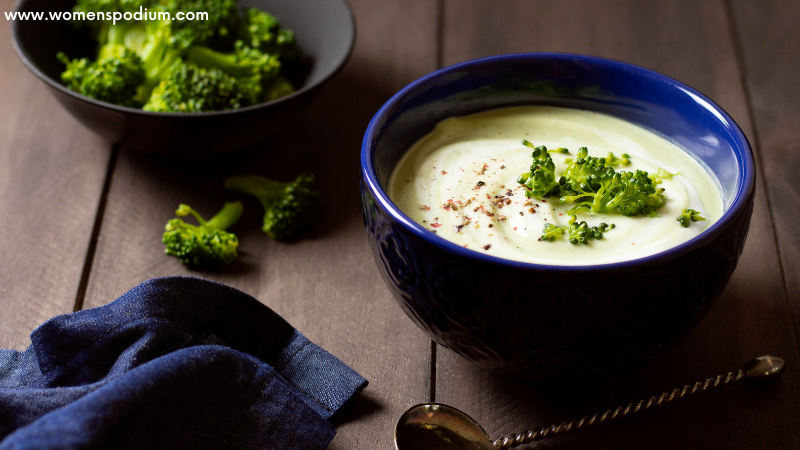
266, 190
225, 218
209, 59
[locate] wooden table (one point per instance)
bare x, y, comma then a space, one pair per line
81, 221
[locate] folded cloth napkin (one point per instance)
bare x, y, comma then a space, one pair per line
175, 363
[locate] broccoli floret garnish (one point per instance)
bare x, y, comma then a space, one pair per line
597, 187
113, 78
541, 180
289, 208
688, 216
263, 31
579, 232
552, 232
206, 245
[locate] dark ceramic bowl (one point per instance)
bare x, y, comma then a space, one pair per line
541, 320
325, 31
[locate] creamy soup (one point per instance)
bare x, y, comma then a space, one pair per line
450, 182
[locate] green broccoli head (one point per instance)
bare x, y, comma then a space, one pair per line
541, 180
289, 208
206, 245
688, 216
222, 21
252, 69
189, 88
113, 78
594, 186
263, 31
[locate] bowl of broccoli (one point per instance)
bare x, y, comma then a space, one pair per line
546, 321
185, 78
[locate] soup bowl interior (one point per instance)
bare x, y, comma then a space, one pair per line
544, 321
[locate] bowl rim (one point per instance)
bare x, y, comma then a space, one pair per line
744, 190
23, 56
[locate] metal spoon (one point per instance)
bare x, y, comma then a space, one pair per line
434, 426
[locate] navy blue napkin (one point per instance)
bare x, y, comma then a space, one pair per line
175, 363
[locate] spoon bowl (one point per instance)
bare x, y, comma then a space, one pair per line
435, 426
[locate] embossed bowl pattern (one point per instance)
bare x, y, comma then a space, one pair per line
539, 321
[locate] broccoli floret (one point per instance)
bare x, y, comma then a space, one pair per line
206, 245
597, 187
552, 232
688, 216
263, 31
192, 89
252, 69
222, 21
289, 208
579, 232
541, 180
113, 78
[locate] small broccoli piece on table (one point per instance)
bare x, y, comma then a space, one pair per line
206, 244
113, 78
289, 208
578, 232
263, 31
688, 216
541, 180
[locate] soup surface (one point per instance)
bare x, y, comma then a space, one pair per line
450, 182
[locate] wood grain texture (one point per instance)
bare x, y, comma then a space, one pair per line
51, 177
769, 41
325, 284
692, 42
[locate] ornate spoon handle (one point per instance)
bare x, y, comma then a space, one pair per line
760, 369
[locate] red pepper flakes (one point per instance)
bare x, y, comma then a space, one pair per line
436, 224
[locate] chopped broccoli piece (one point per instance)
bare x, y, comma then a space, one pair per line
552, 232
192, 89
222, 18
688, 216
263, 31
206, 245
612, 160
662, 175
288, 207
113, 78
579, 232
541, 180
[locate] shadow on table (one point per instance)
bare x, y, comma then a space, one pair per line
710, 350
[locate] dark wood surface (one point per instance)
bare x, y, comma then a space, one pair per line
82, 222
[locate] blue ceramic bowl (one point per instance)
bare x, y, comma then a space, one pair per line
539, 320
